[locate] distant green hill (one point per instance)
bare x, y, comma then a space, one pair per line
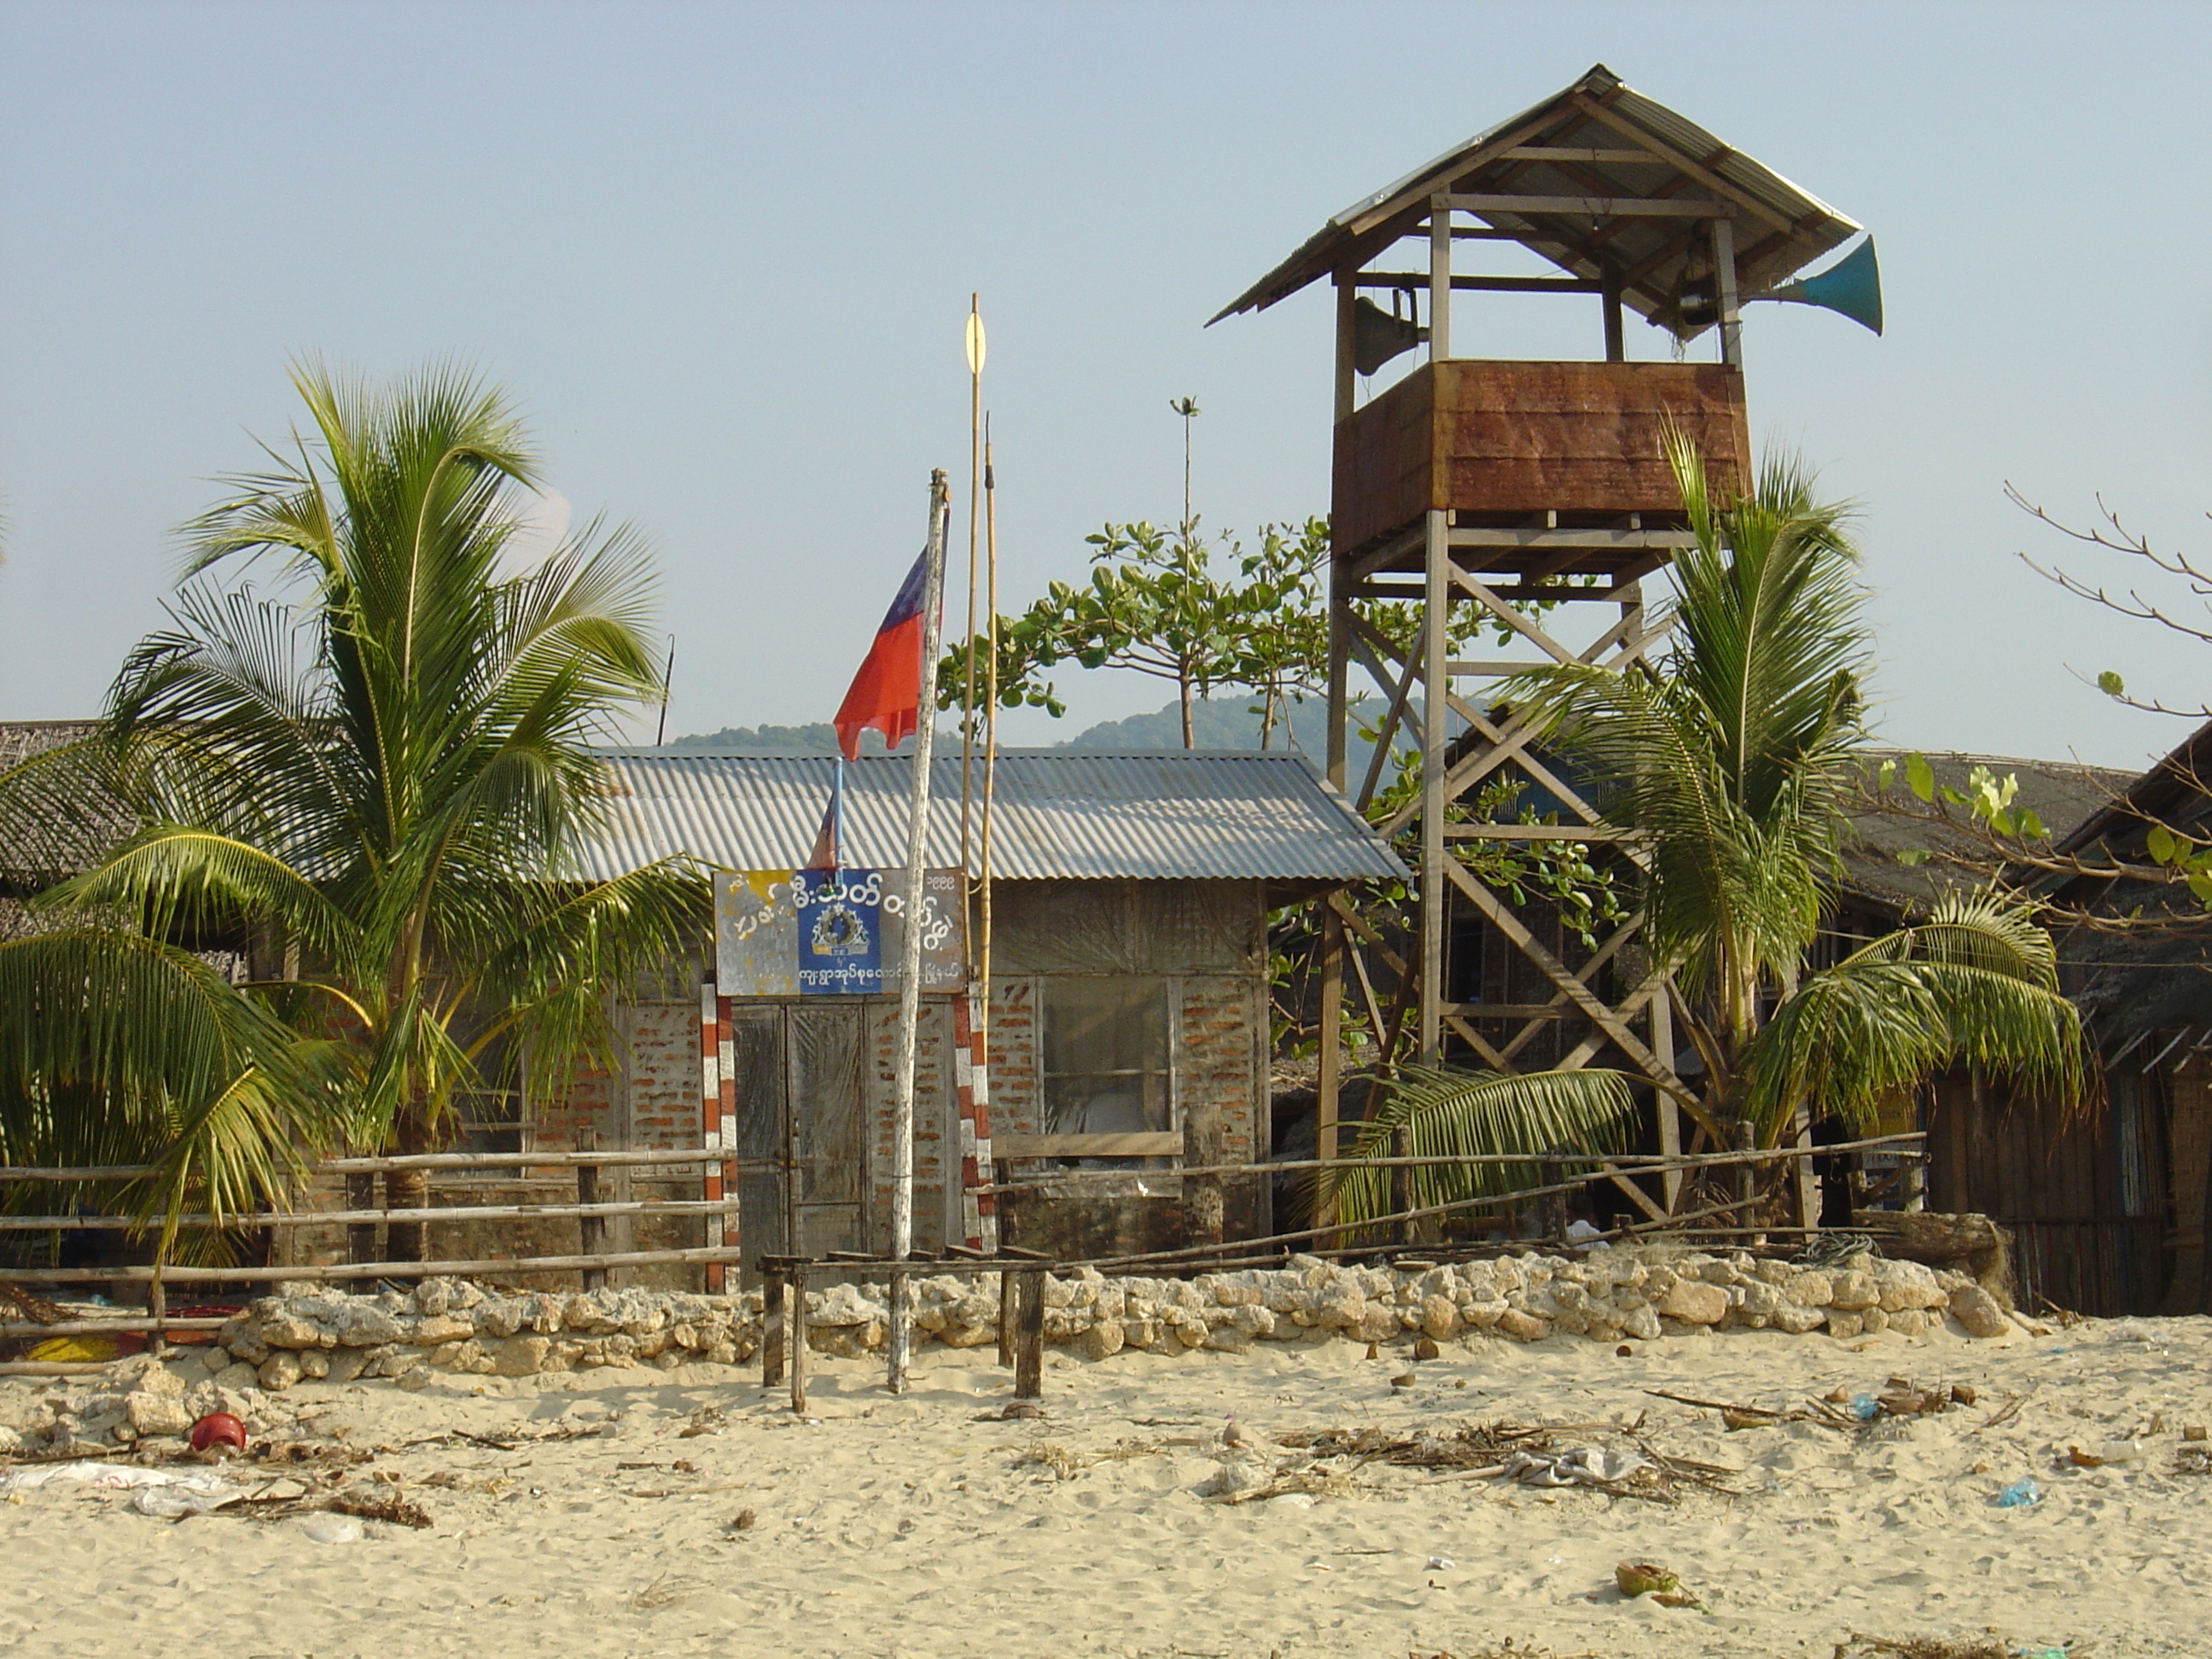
1222, 723
819, 739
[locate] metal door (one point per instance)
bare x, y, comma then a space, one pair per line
763, 1139
829, 1130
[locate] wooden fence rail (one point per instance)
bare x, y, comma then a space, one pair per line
590, 1213
593, 1160
34, 1223
1902, 1146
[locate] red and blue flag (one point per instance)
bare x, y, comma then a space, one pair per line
886, 695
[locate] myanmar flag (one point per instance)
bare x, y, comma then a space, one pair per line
886, 694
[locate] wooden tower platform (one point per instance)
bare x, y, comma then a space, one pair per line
1531, 498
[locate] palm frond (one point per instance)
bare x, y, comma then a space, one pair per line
1452, 1114
118, 1049
1975, 986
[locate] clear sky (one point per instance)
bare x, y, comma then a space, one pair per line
720, 254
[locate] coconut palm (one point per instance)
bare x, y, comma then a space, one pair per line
217, 1107
1735, 760
382, 769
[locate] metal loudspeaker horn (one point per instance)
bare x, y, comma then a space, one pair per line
1377, 335
1851, 286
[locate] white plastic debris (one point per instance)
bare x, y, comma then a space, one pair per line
184, 1497
180, 1494
1585, 1466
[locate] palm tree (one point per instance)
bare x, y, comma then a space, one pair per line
382, 769
1734, 759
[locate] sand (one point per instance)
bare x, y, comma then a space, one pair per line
909, 1526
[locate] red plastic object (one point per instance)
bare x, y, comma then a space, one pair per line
217, 1429
199, 1310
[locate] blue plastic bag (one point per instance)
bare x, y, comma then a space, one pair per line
2019, 1495
1865, 1407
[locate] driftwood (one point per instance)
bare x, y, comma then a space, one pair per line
1965, 1243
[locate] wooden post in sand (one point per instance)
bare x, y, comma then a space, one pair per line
771, 1322
1029, 1335
794, 1335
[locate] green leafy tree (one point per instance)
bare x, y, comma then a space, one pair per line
1735, 760
1156, 604
383, 770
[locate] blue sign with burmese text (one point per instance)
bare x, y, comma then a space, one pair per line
831, 933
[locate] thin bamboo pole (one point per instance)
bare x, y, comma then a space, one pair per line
974, 344
64, 1223
990, 726
175, 1273
1206, 1252
150, 1323
910, 1003
548, 1160
1627, 1163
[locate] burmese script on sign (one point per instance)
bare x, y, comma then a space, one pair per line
831, 933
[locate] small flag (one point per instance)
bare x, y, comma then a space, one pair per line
828, 852
886, 694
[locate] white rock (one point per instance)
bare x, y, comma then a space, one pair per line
1976, 1309
1901, 1284
159, 1414
1809, 1290
1853, 1292
1695, 1302
844, 1304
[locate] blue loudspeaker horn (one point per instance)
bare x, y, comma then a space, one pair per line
1852, 286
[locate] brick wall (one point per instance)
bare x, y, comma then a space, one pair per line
1222, 1055
936, 1138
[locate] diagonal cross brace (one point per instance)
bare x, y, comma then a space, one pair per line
1500, 917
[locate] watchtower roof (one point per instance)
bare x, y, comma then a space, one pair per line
1585, 159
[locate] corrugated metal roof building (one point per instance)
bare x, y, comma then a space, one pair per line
1130, 999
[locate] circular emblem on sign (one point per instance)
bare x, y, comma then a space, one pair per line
839, 932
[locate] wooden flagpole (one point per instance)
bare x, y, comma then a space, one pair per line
909, 1006
990, 732
975, 344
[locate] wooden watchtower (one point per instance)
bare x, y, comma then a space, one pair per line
1537, 493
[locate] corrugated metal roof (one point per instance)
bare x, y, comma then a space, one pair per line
1779, 227
1058, 816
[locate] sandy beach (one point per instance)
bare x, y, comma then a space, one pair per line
924, 1525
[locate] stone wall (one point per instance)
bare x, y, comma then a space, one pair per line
1609, 1296
446, 1325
